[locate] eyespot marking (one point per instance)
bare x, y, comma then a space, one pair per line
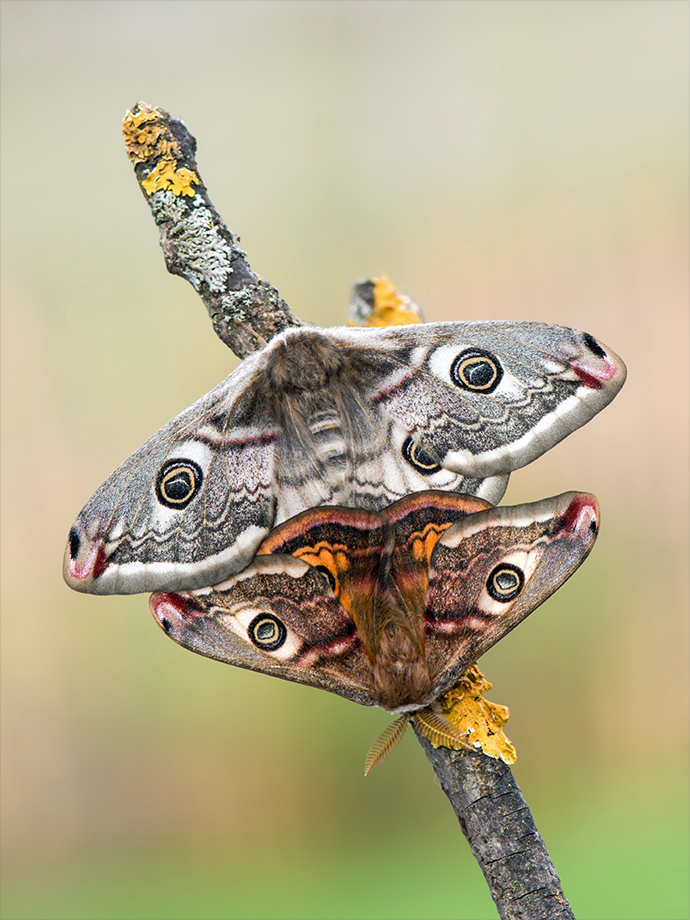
505, 582
418, 458
267, 632
178, 482
476, 370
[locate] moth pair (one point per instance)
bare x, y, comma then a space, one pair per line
323, 515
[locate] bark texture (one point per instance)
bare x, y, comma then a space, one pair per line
245, 310
502, 835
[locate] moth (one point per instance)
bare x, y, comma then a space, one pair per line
356, 418
386, 608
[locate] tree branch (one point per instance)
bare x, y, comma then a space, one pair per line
501, 832
246, 312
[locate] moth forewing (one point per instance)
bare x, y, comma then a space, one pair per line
360, 418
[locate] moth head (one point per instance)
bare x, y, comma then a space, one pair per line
301, 360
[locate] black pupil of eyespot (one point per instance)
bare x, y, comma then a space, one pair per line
593, 345
479, 374
506, 581
178, 486
266, 631
74, 544
166, 624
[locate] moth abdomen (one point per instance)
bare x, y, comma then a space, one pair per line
401, 672
326, 429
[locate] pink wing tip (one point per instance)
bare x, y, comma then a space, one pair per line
173, 609
581, 518
600, 370
86, 567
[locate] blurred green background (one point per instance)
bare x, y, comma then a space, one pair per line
503, 160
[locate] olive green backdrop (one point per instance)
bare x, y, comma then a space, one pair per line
504, 160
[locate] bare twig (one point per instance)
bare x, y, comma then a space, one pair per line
501, 832
247, 312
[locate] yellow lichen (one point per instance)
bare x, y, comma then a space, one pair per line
166, 177
480, 720
391, 316
391, 308
461, 720
147, 135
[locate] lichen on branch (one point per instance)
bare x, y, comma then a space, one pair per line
245, 310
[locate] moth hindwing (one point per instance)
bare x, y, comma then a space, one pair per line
386, 608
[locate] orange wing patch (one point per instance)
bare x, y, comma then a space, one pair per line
346, 545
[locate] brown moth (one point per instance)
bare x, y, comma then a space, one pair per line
386, 608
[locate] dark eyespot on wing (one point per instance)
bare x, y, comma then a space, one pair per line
505, 582
177, 483
267, 632
476, 370
593, 345
417, 457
